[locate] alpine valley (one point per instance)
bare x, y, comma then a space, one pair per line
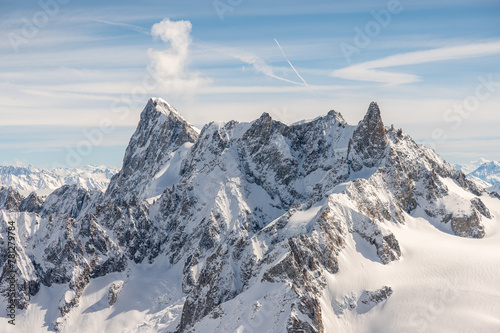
318, 226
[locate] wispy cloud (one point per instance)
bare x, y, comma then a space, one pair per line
125, 25
266, 89
370, 70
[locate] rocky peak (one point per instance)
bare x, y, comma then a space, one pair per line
261, 131
368, 141
371, 128
70, 200
373, 112
33, 203
266, 123
336, 116
159, 105
160, 133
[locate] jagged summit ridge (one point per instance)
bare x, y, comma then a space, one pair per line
247, 218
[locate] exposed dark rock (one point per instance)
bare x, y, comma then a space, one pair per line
113, 292
32, 204
369, 141
468, 225
69, 200
10, 199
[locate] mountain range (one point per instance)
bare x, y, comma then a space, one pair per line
27, 179
484, 172
319, 226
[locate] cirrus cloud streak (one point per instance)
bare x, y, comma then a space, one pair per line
371, 70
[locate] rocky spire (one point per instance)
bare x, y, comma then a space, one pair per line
161, 131
368, 140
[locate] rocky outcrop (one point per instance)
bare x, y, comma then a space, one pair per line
467, 225
364, 303
375, 297
370, 299
113, 292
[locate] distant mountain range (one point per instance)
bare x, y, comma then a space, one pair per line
484, 172
26, 179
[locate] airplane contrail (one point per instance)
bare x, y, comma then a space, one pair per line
257, 63
296, 72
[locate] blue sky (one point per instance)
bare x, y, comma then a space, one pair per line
75, 75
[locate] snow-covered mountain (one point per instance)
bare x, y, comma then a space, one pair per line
483, 172
44, 181
467, 168
320, 226
488, 172
159, 144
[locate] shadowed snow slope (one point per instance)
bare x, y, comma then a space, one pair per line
319, 226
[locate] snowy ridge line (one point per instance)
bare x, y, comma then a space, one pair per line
320, 226
27, 179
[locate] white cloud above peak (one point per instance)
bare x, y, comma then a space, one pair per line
170, 65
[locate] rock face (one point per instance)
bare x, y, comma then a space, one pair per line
10, 199
154, 147
69, 200
369, 140
242, 206
32, 204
